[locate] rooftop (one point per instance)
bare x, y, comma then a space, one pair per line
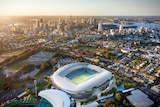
79, 82
139, 99
56, 98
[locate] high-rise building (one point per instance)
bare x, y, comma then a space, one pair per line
100, 26
90, 20
120, 29
37, 23
41, 20
49, 23
94, 21
76, 18
82, 21
59, 21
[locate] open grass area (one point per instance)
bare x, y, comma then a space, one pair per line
10, 54
91, 48
19, 65
42, 85
36, 59
87, 48
79, 79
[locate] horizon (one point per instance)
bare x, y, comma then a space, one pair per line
79, 8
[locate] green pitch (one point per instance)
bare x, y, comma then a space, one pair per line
79, 79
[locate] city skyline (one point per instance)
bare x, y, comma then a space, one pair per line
80, 7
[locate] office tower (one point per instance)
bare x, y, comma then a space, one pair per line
100, 26
120, 29
82, 21
59, 21
49, 23
71, 18
41, 23
76, 21
41, 20
37, 23
94, 21
112, 32
90, 20
58, 26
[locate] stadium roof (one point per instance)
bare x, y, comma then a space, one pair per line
64, 83
56, 97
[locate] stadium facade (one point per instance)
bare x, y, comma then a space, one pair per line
81, 80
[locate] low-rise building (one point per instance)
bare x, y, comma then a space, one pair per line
139, 99
156, 88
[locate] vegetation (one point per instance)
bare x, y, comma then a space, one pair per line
125, 103
14, 59
42, 85
28, 91
20, 64
121, 99
10, 54
7, 86
109, 55
109, 103
118, 96
0, 83
118, 82
45, 66
88, 100
113, 90
27, 68
87, 48
16, 103
129, 85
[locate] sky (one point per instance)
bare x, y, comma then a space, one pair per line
80, 7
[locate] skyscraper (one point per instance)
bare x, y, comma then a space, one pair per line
120, 29
90, 20
94, 21
100, 26
41, 20
37, 23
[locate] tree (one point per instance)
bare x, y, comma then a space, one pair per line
100, 105
45, 66
112, 105
1, 83
7, 86
55, 68
107, 103
27, 68
118, 82
125, 103
129, 85
118, 96
55, 61
28, 91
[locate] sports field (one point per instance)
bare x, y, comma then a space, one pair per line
10, 54
80, 78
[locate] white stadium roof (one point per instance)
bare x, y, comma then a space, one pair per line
56, 97
64, 83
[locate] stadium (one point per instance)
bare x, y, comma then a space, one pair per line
81, 80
